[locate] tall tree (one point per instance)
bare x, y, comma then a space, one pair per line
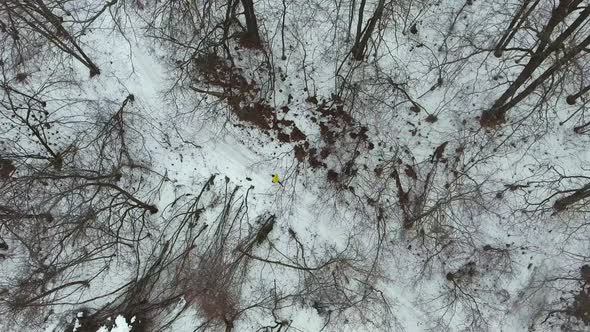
517, 21
363, 34
251, 22
546, 47
40, 20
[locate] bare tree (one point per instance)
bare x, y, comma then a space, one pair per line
363, 33
36, 17
545, 47
251, 24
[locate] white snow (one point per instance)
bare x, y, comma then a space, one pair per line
120, 325
179, 139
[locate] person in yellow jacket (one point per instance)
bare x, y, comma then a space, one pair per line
275, 179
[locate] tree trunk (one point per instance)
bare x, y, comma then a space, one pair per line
363, 35
571, 99
497, 114
564, 202
514, 26
56, 22
251, 23
350, 18
359, 24
41, 20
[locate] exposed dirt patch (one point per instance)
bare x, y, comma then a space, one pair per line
312, 99
248, 40
333, 176
300, 152
580, 309
314, 160
431, 118
242, 95
283, 137
338, 130
571, 100
6, 169
585, 273
21, 77
297, 135
492, 119
258, 114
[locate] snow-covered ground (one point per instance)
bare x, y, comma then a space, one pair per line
395, 211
